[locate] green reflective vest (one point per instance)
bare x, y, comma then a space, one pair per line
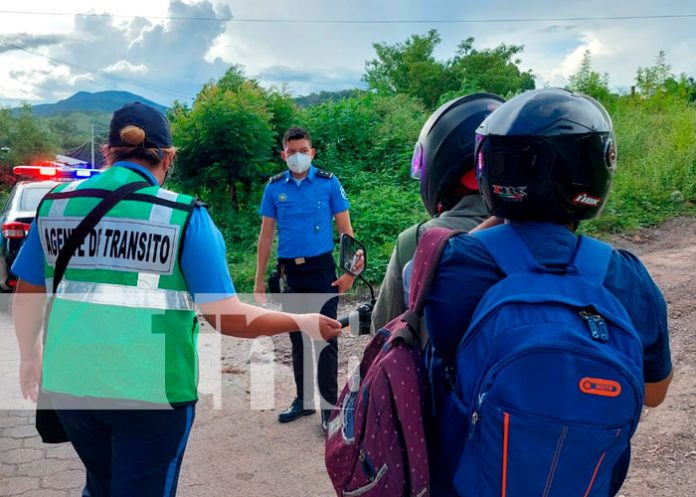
122, 324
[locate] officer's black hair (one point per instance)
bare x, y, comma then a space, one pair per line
296, 133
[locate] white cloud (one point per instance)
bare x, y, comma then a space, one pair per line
570, 64
158, 59
123, 66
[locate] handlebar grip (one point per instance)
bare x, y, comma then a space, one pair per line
363, 317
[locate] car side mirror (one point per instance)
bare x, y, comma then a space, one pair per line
353, 255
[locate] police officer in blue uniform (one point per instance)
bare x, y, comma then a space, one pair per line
303, 202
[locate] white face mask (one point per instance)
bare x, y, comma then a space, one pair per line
298, 163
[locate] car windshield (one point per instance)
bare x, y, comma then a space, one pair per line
32, 196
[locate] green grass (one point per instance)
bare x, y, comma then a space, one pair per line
656, 173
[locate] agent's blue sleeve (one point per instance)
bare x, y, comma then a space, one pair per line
339, 198
268, 207
29, 264
204, 261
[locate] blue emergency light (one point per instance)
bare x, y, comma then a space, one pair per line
55, 173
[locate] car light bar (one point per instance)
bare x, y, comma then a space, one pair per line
55, 173
15, 229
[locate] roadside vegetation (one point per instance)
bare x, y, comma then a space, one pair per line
228, 141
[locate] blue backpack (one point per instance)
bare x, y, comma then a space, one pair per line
548, 378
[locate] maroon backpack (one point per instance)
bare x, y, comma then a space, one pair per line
375, 444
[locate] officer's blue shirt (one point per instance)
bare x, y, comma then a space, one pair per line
466, 271
304, 213
203, 259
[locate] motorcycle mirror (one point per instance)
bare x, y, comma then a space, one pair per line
353, 255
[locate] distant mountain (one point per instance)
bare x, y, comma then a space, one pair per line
99, 102
324, 96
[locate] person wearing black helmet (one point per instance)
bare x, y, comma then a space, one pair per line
443, 162
545, 161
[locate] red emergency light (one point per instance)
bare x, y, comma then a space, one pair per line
55, 173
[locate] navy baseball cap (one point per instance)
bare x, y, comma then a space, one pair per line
156, 127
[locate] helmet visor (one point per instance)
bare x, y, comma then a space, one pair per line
516, 159
417, 162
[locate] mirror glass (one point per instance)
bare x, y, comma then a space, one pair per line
353, 255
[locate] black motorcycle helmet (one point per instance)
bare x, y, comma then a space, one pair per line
444, 152
546, 155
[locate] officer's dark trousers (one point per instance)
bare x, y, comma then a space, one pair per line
313, 277
130, 453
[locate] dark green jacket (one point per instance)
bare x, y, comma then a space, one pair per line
464, 216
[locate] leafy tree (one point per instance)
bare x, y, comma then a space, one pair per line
392, 140
411, 68
23, 139
368, 132
284, 114
588, 81
653, 79
465, 88
226, 138
495, 70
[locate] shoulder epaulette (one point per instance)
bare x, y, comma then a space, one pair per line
276, 177
324, 174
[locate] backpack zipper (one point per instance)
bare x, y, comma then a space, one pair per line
598, 327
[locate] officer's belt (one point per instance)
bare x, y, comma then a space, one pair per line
321, 260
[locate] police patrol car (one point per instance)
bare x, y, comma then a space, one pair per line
20, 209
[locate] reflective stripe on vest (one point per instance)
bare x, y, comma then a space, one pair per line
123, 295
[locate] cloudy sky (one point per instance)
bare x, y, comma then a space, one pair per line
167, 49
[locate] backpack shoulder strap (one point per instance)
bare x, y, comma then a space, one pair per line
592, 259
507, 249
425, 263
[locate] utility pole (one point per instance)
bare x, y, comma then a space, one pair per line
93, 164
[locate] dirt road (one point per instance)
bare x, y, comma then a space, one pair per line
240, 449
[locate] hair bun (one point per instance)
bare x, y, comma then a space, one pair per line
132, 135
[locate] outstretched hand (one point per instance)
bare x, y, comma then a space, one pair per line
318, 326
